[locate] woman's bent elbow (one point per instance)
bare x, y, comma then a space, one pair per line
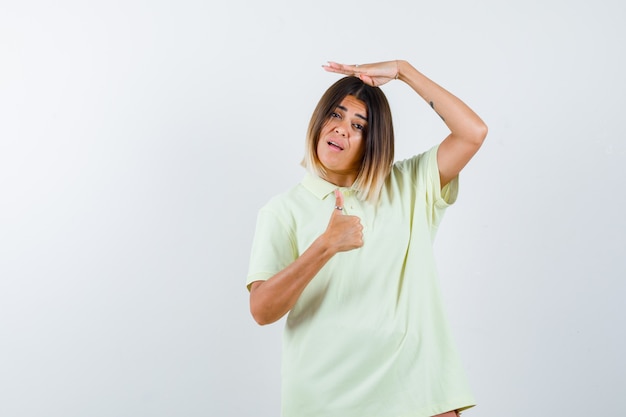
264, 307
261, 314
260, 318
481, 132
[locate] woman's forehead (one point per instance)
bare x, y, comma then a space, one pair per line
353, 105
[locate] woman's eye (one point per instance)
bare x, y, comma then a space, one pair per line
358, 126
334, 114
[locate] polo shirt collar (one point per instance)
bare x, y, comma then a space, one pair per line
319, 187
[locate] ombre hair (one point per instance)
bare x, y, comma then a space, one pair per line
377, 136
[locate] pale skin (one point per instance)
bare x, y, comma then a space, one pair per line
338, 148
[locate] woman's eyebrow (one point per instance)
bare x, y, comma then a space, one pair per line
340, 107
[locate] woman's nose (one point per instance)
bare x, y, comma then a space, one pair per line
340, 129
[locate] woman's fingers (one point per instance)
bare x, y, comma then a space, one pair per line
346, 232
338, 200
374, 74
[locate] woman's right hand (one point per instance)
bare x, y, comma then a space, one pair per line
344, 232
272, 299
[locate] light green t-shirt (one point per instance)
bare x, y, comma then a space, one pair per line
368, 336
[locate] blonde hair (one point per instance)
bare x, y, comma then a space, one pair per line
378, 135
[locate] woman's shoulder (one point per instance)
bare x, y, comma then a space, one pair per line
286, 200
411, 164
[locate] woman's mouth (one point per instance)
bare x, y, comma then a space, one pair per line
334, 145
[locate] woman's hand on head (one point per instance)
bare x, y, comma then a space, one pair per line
374, 74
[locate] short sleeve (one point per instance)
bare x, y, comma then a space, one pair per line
438, 198
423, 173
273, 247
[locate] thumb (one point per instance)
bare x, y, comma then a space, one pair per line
338, 200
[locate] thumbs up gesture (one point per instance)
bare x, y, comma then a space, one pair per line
344, 232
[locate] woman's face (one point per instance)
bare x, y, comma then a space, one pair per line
340, 147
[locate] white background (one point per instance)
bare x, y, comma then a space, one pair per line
138, 139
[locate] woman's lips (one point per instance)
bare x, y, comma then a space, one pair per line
334, 145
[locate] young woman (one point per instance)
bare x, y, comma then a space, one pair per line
347, 254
